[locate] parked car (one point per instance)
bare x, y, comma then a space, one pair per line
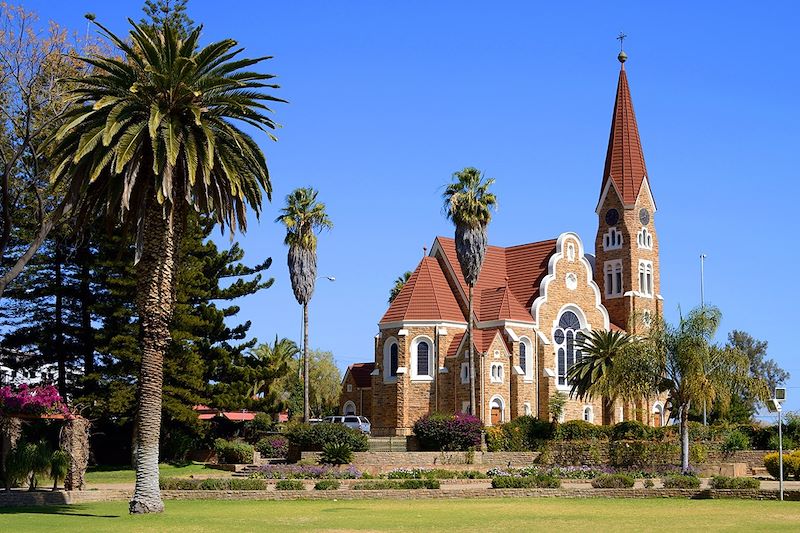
360, 423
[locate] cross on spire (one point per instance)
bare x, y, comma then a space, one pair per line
621, 37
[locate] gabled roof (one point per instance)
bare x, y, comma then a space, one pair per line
362, 374
509, 280
425, 296
485, 337
458, 339
624, 159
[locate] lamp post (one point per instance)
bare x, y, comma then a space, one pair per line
302, 327
775, 405
702, 305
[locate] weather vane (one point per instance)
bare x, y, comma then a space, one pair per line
621, 37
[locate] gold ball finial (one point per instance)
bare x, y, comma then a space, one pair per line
622, 57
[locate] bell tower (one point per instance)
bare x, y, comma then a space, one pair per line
626, 246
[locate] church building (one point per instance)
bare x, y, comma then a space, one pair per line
532, 303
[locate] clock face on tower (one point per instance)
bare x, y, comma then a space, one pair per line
612, 217
644, 216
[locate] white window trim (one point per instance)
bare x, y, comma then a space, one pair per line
344, 408
526, 409
528, 375
612, 239
502, 408
464, 375
349, 387
646, 278
497, 373
613, 267
431, 359
387, 360
591, 414
644, 239
585, 329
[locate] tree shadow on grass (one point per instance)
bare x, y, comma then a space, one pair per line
63, 510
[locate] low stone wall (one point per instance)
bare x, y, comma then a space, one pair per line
377, 462
25, 498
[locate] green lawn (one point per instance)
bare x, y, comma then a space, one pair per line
417, 515
117, 474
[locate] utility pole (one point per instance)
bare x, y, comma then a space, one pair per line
702, 305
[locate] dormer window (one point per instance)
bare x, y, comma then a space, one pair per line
644, 239
612, 239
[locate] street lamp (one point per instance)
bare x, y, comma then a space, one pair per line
775, 405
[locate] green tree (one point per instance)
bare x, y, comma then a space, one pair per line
272, 363
399, 283
325, 385
468, 205
153, 135
303, 218
168, 12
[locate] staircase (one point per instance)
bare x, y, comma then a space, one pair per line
249, 469
387, 444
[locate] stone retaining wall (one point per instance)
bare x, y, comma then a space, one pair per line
25, 498
377, 462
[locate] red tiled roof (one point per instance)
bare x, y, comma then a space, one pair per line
452, 350
362, 374
238, 417
484, 337
425, 296
624, 158
509, 279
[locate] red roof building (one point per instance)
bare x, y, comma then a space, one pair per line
532, 305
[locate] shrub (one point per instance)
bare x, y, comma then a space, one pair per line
519, 435
773, 444
612, 481
681, 482
297, 471
59, 466
630, 430
398, 484
578, 430
448, 432
230, 452
273, 446
258, 428
289, 484
698, 453
736, 440
722, 482
540, 481
436, 473
211, 484
791, 465
314, 437
336, 453
328, 484
648, 483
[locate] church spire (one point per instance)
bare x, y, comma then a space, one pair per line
624, 159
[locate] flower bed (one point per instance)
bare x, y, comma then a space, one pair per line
541, 481
305, 472
385, 484
433, 473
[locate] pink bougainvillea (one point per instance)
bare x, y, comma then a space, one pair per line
36, 401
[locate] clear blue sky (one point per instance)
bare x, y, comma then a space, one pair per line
388, 99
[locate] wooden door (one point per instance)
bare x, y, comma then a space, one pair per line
497, 416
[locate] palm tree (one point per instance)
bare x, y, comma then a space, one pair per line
468, 205
273, 363
151, 136
303, 217
593, 375
399, 283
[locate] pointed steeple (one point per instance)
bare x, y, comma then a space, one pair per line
624, 159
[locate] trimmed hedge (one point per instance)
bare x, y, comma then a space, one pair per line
580, 430
613, 481
232, 452
541, 481
681, 482
397, 484
791, 465
314, 437
328, 484
459, 432
723, 482
212, 484
289, 484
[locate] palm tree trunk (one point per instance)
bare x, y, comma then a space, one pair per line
306, 406
155, 302
472, 405
685, 438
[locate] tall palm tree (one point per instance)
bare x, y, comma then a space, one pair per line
468, 205
303, 217
399, 283
151, 136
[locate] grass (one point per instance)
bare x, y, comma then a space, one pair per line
421, 515
98, 475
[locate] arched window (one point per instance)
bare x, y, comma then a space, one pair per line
523, 357
612, 239
567, 339
646, 277
588, 414
496, 373
349, 408
658, 415
644, 239
497, 408
391, 360
526, 356
422, 359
